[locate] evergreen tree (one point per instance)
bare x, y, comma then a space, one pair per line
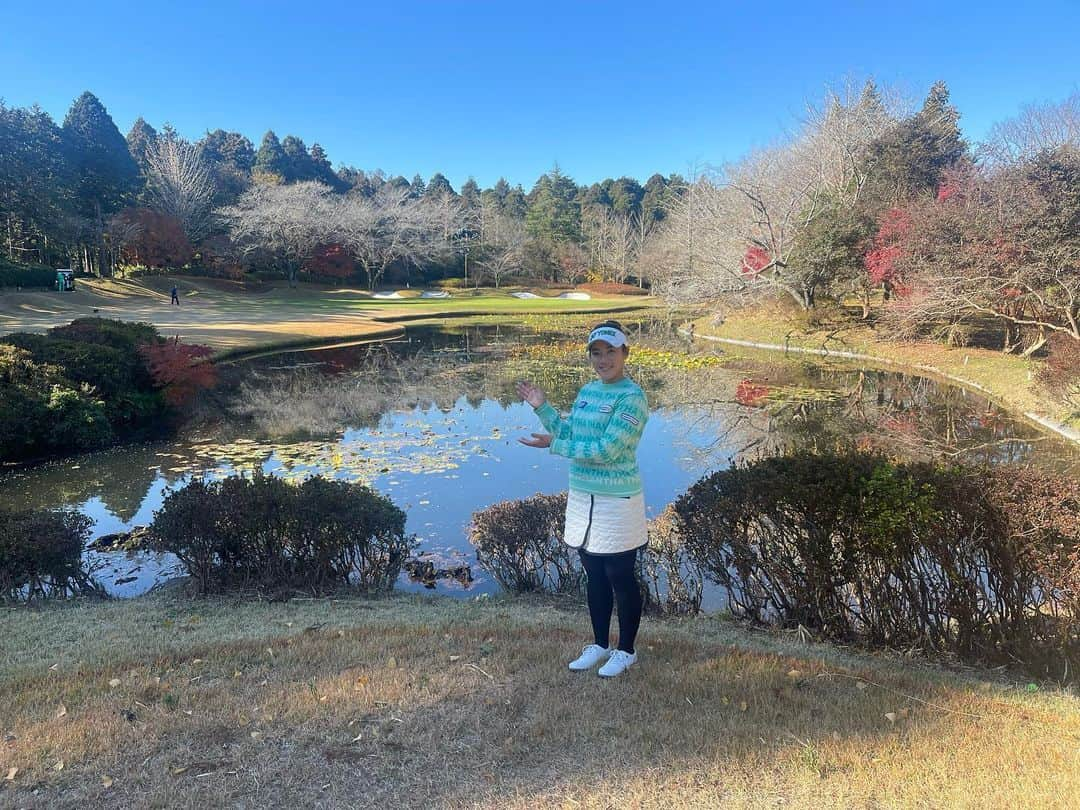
417, 186
298, 163
104, 173
231, 158
34, 183
439, 186
626, 195
554, 212
470, 193
324, 172
270, 160
514, 203
912, 156
138, 139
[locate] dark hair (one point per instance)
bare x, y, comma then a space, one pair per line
612, 324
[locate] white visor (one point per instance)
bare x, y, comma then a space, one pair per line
608, 334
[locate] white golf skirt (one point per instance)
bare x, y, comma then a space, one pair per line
605, 524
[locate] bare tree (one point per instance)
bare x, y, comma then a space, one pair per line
737, 230
503, 250
392, 227
1038, 128
289, 221
179, 183
1004, 246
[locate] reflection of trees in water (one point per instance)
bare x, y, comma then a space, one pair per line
119, 478
817, 408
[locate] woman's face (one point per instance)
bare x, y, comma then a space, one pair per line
607, 361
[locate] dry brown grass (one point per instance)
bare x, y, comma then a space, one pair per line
439, 703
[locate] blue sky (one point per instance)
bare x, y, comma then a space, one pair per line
489, 89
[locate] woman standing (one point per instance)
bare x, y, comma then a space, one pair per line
605, 508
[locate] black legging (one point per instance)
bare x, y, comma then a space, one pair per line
611, 580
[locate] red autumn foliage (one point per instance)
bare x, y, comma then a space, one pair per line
880, 260
160, 241
755, 260
180, 369
751, 394
946, 191
332, 261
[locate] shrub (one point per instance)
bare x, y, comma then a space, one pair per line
41, 412
521, 544
108, 370
611, 288
123, 335
451, 284
965, 560
99, 359
41, 555
33, 276
267, 534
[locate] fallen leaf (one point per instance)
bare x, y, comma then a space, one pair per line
794, 674
861, 684
61, 711
454, 658
178, 771
197, 661
725, 700
106, 782
890, 716
256, 735
237, 674
11, 774
392, 662
743, 706
115, 682
59, 766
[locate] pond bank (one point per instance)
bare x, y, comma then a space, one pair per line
1004, 379
422, 702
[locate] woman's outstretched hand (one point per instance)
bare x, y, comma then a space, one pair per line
540, 440
531, 394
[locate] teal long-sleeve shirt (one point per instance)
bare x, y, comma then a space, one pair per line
600, 436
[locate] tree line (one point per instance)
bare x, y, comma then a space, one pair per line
872, 201
888, 209
82, 194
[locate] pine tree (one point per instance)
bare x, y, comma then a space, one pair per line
104, 172
270, 161
439, 186
418, 186
138, 140
298, 163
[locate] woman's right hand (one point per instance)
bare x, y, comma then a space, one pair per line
531, 394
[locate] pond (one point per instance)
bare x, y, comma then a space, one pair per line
431, 421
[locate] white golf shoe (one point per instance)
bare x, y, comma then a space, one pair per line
617, 664
591, 655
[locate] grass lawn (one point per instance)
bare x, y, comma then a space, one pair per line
1008, 378
166, 702
234, 319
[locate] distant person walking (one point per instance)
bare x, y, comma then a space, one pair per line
175, 299
605, 507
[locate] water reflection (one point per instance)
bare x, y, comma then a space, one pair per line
431, 422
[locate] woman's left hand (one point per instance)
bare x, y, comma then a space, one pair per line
540, 440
